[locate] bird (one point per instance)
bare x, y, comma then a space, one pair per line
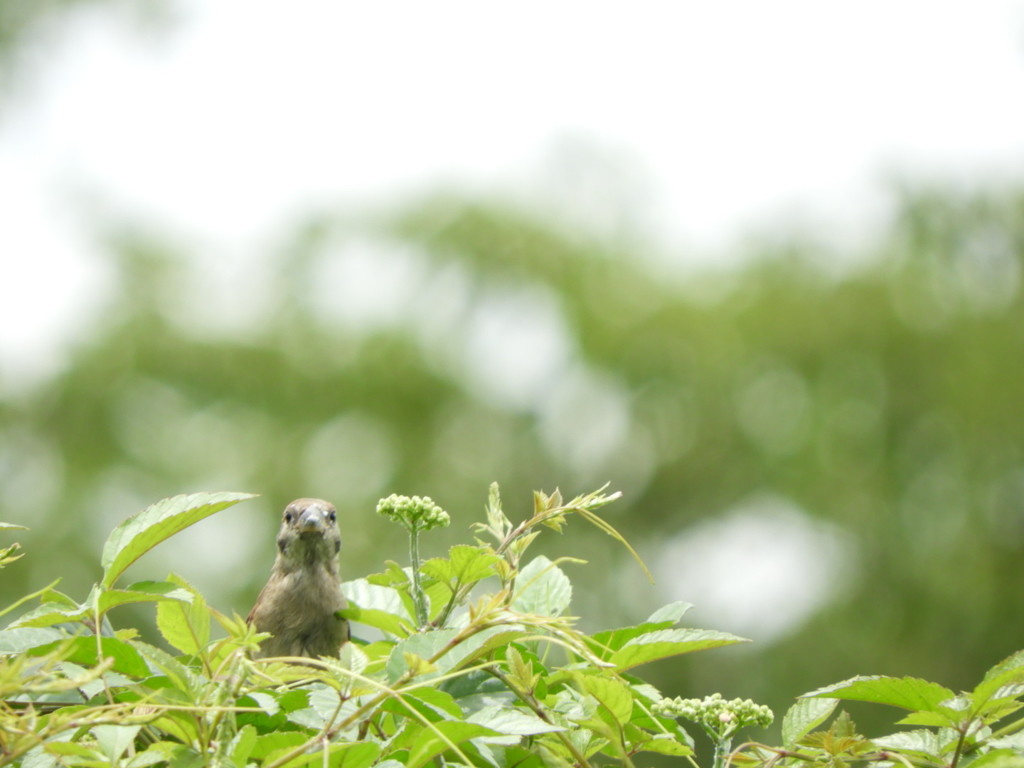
299, 604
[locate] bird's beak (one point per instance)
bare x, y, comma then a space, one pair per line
312, 521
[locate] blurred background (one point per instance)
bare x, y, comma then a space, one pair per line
758, 266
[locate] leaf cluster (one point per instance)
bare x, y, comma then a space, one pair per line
980, 727
496, 674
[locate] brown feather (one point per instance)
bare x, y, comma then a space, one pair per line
299, 604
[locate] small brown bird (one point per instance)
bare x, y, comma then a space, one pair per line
299, 603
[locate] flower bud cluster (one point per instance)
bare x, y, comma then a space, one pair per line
715, 714
416, 513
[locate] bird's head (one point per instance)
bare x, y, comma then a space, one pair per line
309, 533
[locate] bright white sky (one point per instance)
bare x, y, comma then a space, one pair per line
723, 117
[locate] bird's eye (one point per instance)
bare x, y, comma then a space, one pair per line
287, 517
333, 516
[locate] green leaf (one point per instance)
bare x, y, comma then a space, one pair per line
671, 613
431, 703
614, 697
113, 740
438, 593
603, 644
354, 754
377, 606
664, 744
930, 719
186, 626
422, 646
480, 645
12, 527
512, 721
496, 519
927, 743
242, 744
26, 638
140, 533
999, 758
429, 743
269, 704
82, 650
142, 592
543, 589
280, 742
75, 749
1014, 741
176, 672
465, 564
164, 752
999, 683
338, 755
663, 643
803, 717
905, 692
49, 614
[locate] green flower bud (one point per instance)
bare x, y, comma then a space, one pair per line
717, 715
416, 513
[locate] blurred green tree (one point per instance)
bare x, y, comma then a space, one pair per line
455, 343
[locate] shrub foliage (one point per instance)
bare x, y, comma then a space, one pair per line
470, 659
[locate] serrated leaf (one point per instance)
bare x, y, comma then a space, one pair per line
353, 658
999, 758
905, 692
354, 754
432, 703
377, 606
74, 749
417, 665
113, 740
269, 743
603, 644
615, 697
542, 589
178, 673
664, 744
512, 721
241, 745
156, 523
994, 686
48, 615
496, 518
480, 645
803, 717
23, 639
663, 643
520, 671
159, 752
929, 743
421, 646
465, 564
429, 743
672, 612
930, 719
438, 593
265, 701
185, 625
142, 592
82, 650
1013, 741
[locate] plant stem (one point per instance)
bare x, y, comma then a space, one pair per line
419, 599
723, 750
959, 746
528, 699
